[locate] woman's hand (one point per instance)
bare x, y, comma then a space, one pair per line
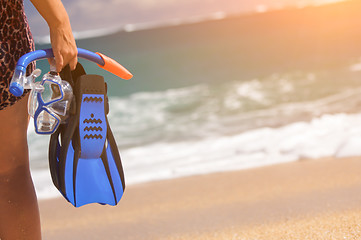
64, 47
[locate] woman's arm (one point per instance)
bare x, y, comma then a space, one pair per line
61, 36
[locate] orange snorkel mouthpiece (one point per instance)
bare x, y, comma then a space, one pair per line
114, 67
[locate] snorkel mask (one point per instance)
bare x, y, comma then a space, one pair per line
49, 103
51, 98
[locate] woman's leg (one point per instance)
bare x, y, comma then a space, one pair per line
19, 213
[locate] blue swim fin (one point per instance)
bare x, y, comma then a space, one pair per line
83, 156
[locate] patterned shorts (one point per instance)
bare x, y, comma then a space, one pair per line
15, 41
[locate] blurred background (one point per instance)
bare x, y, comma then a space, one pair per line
219, 85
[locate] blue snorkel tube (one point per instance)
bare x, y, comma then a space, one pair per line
20, 82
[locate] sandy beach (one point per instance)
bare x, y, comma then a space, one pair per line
308, 199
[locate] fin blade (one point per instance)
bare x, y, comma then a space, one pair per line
92, 184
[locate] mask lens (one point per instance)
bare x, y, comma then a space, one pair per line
51, 92
46, 123
60, 107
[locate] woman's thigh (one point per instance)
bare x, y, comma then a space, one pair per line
13, 136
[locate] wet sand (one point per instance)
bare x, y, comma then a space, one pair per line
309, 199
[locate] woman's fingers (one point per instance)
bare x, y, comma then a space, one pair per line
58, 60
64, 47
73, 61
63, 57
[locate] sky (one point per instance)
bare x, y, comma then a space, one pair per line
93, 15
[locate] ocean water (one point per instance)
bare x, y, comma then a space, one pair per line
228, 94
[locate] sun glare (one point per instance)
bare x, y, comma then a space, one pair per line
321, 2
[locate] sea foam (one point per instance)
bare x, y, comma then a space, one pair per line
329, 135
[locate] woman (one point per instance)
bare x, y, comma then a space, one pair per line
19, 214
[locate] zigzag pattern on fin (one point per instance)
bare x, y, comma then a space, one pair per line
93, 129
92, 121
92, 136
93, 99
